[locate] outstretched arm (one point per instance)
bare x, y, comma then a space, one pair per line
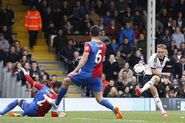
37, 85
83, 60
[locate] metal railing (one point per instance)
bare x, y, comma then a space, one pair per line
10, 87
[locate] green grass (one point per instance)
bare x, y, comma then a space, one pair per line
102, 117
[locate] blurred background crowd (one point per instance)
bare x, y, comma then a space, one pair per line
123, 30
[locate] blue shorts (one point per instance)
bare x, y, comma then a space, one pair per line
95, 84
28, 108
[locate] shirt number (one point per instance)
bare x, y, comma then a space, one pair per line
98, 57
40, 103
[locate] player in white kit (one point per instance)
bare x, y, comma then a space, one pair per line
152, 77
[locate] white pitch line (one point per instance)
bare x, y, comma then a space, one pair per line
116, 120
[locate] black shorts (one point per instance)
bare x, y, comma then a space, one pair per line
145, 79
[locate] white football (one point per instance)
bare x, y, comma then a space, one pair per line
139, 68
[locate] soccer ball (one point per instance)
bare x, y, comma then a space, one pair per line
139, 69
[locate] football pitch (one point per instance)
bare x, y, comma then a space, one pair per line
102, 117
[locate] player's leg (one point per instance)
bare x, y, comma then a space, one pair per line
96, 87
24, 106
157, 100
11, 106
107, 104
147, 85
63, 90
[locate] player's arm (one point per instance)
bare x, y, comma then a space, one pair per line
37, 85
154, 69
83, 59
82, 62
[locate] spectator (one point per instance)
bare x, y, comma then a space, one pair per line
7, 34
163, 16
10, 67
132, 85
87, 19
27, 67
137, 19
66, 9
99, 7
2, 18
182, 48
86, 28
67, 52
43, 71
111, 68
72, 64
9, 17
178, 37
123, 77
103, 37
19, 73
180, 6
94, 17
33, 25
183, 92
166, 38
159, 25
44, 78
37, 78
110, 90
112, 29
142, 44
65, 19
56, 17
50, 30
180, 20
126, 49
17, 45
78, 11
68, 28
101, 24
115, 45
135, 58
109, 49
126, 73
4, 47
127, 32
4, 44
176, 57
120, 85
126, 92
179, 67
13, 56
121, 61
59, 42
107, 19
54, 78
171, 48
46, 17
34, 69
137, 32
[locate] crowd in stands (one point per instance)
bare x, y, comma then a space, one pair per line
15, 56
123, 30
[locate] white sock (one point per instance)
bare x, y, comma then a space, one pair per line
147, 85
159, 104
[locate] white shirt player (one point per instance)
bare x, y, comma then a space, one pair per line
155, 63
